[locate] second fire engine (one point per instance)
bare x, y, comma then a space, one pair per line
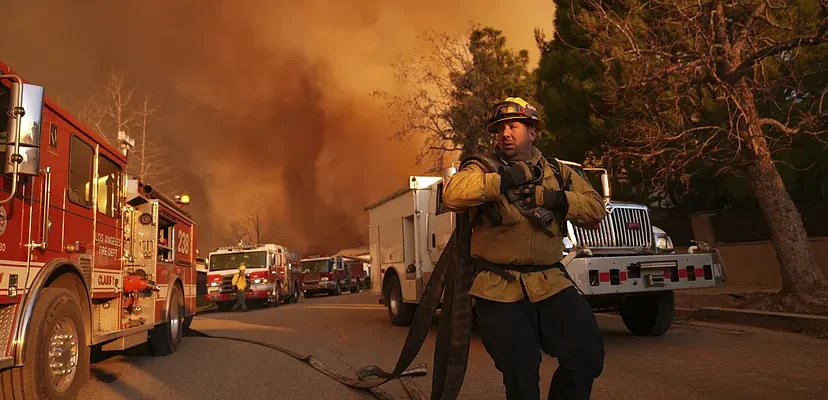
331, 275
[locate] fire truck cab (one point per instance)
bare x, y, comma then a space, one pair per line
331, 275
269, 269
88, 256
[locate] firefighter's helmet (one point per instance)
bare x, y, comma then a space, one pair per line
514, 108
242, 267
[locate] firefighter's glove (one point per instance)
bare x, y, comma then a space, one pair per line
532, 196
517, 174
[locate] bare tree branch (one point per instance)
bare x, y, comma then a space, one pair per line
115, 110
252, 227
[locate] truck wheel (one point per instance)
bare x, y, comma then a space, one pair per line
57, 357
165, 338
400, 312
355, 288
649, 315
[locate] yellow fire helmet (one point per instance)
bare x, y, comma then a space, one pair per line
242, 267
514, 108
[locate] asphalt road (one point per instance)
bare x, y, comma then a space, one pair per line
692, 361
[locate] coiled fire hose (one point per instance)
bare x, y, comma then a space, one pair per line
453, 274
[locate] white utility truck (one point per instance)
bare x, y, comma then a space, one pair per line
627, 264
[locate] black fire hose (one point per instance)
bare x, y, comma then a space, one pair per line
453, 272
416, 370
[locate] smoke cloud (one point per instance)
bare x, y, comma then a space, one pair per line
265, 103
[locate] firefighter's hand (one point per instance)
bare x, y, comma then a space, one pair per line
532, 196
516, 174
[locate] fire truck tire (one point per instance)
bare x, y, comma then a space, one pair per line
57, 318
165, 338
400, 312
649, 315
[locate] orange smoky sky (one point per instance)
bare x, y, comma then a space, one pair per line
261, 102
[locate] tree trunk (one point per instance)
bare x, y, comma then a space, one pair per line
801, 275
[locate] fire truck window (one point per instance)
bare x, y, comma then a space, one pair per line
81, 157
316, 266
108, 179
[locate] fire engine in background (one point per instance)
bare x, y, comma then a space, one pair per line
331, 274
88, 257
269, 268
629, 265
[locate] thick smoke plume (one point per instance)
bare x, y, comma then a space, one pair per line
263, 102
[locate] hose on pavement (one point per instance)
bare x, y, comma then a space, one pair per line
414, 392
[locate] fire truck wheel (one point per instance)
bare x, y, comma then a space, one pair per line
165, 338
648, 315
401, 313
57, 357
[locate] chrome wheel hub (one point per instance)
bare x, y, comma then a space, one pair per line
63, 354
175, 321
395, 305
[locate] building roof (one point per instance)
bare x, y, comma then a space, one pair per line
361, 253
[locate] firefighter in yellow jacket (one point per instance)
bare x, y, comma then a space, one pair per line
518, 201
240, 283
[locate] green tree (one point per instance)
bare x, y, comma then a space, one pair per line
570, 86
721, 86
452, 88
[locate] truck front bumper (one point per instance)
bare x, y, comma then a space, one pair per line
231, 296
319, 286
645, 273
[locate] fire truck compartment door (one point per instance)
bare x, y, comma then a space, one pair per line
145, 244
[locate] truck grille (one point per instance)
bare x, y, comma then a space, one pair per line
625, 227
227, 284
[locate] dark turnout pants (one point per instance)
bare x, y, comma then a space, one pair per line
240, 301
563, 326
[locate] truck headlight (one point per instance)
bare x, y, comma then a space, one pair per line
663, 242
214, 283
323, 279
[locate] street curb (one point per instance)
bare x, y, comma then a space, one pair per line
760, 319
205, 308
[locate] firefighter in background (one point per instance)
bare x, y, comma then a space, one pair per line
523, 297
240, 283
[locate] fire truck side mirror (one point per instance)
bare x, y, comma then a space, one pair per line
24, 129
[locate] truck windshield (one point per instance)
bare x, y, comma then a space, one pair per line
228, 261
316, 266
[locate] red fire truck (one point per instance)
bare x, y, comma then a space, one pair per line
331, 274
88, 256
269, 269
